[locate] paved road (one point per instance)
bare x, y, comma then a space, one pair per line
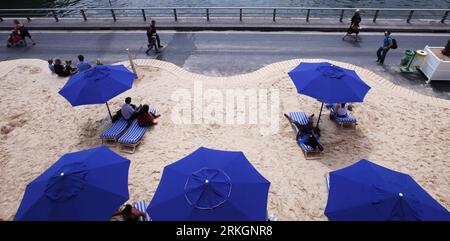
230, 53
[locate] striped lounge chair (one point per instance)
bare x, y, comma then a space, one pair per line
299, 117
307, 149
132, 136
342, 121
110, 135
142, 206
302, 119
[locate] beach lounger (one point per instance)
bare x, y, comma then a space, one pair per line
342, 121
113, 132
302, 119
307, 149
132, 136
299, 117
142, 206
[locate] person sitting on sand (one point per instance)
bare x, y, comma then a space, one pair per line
98, 62
82, 65
341, 110
146, 118
50, 65
59, 68
129, 213
69, 69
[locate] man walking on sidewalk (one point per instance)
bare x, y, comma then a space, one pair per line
152, 32
385, 46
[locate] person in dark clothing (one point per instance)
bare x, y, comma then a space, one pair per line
312, 141
60, 70
354, 25
129, 213
69, 69
151, 32
19, 26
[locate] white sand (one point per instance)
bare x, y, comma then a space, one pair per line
398, 129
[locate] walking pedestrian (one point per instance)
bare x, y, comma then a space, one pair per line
354, 25
387, 44
19, 26
151, 32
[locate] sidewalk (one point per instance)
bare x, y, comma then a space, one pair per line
222, 24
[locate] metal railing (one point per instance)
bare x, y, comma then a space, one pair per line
207, 13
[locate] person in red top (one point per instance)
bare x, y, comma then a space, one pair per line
146, 118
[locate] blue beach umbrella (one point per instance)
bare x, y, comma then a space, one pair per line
210, 185
81, 186
328, 83
97, 85
366, 191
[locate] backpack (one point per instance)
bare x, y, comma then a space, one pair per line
394, 44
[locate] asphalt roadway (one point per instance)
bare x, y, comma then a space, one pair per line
229, 53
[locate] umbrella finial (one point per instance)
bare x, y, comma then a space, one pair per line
207, 188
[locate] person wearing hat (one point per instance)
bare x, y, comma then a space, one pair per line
354, 25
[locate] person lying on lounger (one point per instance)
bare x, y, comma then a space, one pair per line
129, 213
146, 118
312, 141
304, 129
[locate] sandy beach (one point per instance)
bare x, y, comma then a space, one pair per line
397, 128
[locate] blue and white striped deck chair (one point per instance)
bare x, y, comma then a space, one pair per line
348, 120
133, 136
113, 132
307, 148
142, 206
299, 117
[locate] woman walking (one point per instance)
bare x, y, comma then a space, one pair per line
354, 25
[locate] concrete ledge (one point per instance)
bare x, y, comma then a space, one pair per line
198, 24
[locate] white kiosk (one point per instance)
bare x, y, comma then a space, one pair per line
436, 65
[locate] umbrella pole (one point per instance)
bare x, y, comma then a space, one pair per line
318, 120
107, 106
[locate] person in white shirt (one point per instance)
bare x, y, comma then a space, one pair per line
128, 109
341, 110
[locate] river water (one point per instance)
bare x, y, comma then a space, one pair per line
226, 3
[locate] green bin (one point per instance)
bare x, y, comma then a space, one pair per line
407, 59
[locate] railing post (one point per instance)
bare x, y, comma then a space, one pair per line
28, 19
240, 14
207, 14
274, 14
445, 16
84, 14
375, 16
175, 14
113, 14
410, 16
55, 16
342, 15
307, 15
143, 15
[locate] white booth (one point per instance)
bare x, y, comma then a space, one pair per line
436, 65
